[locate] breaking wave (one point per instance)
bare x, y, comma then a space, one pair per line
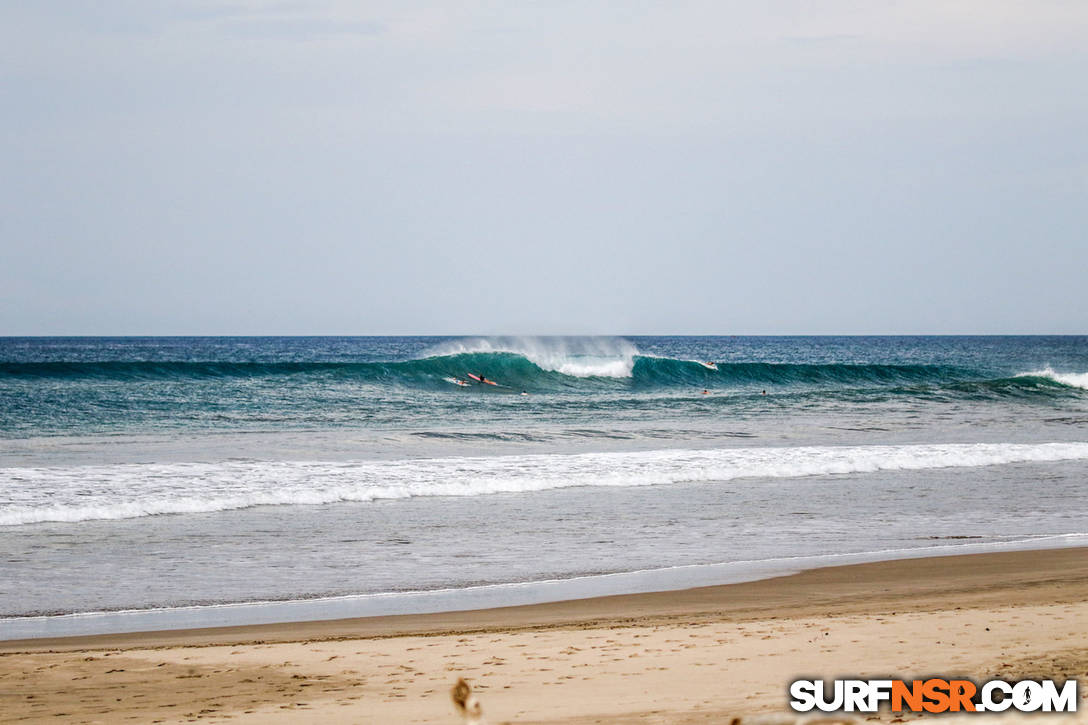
606, 357
1073, 380
555, 372
556, 364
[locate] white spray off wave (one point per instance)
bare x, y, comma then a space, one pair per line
134, 490
1073, 380
582, 357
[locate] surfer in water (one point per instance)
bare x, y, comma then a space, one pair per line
482, 378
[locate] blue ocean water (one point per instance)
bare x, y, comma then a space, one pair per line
143, 473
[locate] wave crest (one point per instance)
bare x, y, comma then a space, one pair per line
1073, 380
564, 365
580, 357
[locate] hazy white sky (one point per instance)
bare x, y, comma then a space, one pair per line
871, 166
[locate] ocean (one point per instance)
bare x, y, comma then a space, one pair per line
152, 483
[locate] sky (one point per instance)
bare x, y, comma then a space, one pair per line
552, 167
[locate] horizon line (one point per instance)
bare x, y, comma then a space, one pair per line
542, 335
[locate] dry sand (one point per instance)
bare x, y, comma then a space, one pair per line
701, 655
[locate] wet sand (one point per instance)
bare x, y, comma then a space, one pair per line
690, 656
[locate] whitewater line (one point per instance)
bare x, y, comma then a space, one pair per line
84, 493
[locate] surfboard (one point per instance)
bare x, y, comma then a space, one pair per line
478, 379
457, 381
708, 365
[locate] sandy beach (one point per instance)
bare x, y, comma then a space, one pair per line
691, 656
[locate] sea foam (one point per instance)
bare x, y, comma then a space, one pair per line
73, 494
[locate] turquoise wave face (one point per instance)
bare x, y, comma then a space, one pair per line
511, 370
